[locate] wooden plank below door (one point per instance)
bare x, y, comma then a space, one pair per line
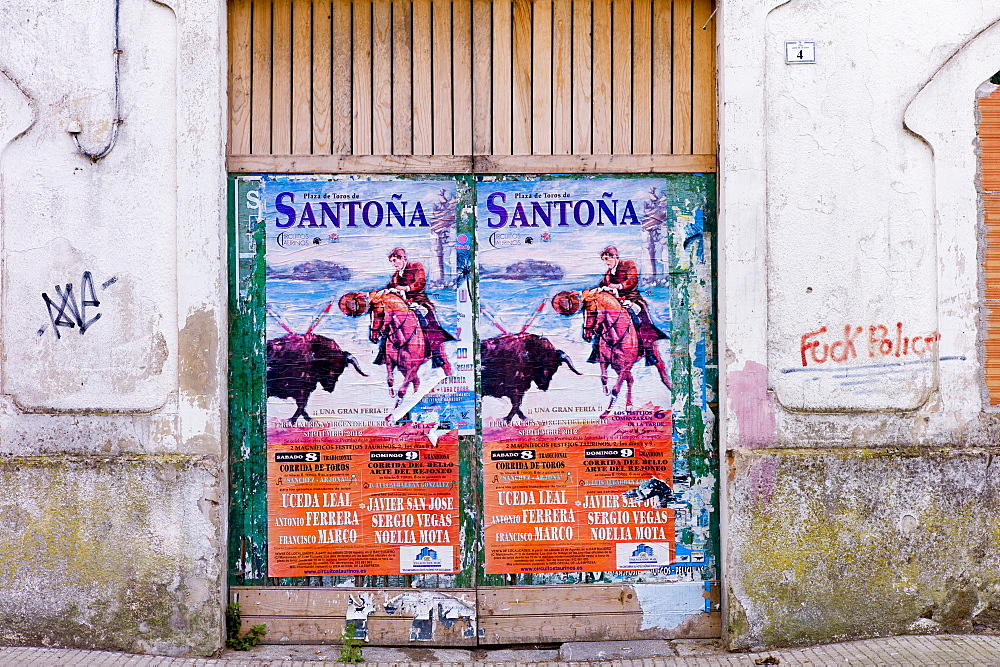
383, 630
583, 626
317, 615
498, 615
463, 164
523, 614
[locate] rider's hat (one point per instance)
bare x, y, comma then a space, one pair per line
353, 304
566, 303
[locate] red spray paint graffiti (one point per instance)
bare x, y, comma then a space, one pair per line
823, 345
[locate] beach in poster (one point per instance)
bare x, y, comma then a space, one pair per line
576, 401
369, 374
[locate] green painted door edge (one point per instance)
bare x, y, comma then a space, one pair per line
247, 449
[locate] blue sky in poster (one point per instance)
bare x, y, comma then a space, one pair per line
362, 249
574, 246
571, 252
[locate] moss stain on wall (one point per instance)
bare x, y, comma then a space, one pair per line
98, 551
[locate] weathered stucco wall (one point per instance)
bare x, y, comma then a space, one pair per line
861, 496
861, 491
111, 433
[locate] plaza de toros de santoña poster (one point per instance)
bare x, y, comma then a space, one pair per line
369, 374
574, 330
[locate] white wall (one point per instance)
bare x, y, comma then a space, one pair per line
848, 201
140, 396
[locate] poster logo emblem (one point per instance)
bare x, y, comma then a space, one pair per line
642, 555
425, 559
506, 240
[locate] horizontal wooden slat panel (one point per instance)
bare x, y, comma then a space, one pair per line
596, 627
317, 615
586, 613
556, 600
382, 631
585, 626
320, 600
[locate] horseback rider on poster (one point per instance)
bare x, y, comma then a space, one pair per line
622, 280
408, 281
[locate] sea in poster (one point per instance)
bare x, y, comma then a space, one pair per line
574, 334
369, 374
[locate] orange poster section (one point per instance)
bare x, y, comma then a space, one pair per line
577, 507
362, 507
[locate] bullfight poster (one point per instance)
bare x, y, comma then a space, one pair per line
575, 343
370, 378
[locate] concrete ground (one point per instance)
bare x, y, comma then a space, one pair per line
909, 650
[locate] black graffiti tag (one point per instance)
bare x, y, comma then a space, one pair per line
68, 312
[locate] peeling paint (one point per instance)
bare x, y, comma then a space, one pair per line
667, 606
198, 350
753, 405
428, 608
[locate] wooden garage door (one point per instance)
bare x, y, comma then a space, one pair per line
476, 87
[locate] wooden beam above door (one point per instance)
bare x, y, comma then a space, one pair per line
464, 164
